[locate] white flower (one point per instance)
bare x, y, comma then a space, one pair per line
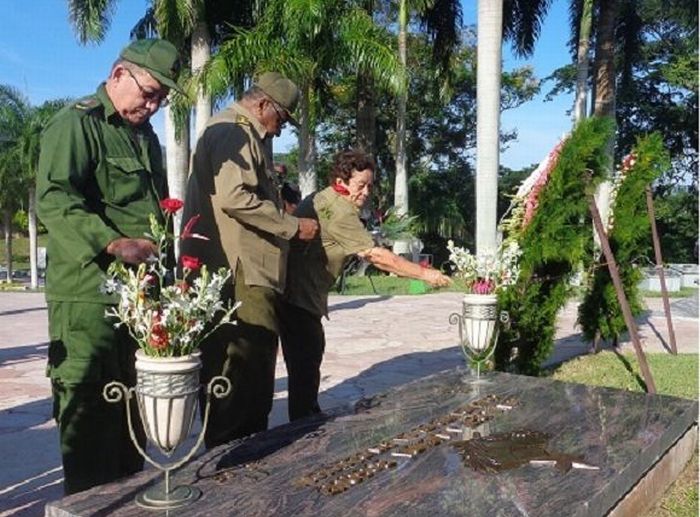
167, 314
491, 271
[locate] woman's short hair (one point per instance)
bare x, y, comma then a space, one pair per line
347, 162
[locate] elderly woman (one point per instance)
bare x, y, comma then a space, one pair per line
314, 266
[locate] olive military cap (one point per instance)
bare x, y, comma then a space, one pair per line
281, 90
158, 57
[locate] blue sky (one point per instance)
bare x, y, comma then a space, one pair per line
40, 56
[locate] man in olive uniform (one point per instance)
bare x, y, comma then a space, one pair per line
232, 187
100, 175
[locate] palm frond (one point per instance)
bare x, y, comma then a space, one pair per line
176, 18
370, 49
91, 19
442, 20
522, 22
146, 27
14, 110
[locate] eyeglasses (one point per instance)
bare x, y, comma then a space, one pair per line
281, 113
156, 96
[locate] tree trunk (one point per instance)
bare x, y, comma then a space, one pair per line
605, 91
201, 50
582, 62
605, 59
177, 155
7, 225
307, 147
31, 214
366, 114
401, 180
488, 100
366, 110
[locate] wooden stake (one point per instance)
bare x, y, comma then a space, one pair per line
660, 270
621, 298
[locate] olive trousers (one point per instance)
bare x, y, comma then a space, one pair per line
303, 344
85, 353
244, 353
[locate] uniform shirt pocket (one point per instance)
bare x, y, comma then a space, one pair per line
127, 179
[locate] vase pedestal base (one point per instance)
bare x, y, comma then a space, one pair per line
157, 498
476, 378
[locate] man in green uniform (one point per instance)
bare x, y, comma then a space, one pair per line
232, 187
315, 266
100, 175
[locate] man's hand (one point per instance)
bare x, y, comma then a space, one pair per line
308, 229
132, 251
435, 278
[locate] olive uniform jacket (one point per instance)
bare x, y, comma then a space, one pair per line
98, 180
233, 190
314, 266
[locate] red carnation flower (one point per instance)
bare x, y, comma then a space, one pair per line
191, 263
171, 205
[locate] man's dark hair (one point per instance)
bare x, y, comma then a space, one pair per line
290, 193
347, 162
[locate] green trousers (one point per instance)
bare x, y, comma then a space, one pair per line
303, 344
85, 353
246, 354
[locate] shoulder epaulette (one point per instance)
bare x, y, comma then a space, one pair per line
241, 119
87, 104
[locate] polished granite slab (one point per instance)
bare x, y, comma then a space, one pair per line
617, 436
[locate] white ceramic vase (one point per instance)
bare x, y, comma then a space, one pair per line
167, 394
480, 317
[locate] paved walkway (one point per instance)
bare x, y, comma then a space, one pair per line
374, 343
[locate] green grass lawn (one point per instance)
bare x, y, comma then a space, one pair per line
392, 285
388, 285
685, 292
673, 375
20, 250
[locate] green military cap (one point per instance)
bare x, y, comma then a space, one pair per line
281, 90
158, 57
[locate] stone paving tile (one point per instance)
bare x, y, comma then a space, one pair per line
373, 344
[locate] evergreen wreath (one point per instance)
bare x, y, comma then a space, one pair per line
554, 239
630, 237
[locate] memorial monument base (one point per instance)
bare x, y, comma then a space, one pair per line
513, 446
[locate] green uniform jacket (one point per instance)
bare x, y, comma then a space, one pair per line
98, 180
233, 188
315, 266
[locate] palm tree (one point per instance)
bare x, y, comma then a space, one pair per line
29, 155
19, 159
14, 112
442, 20
488, 104
605, 89
401, 179
582, 60
307, 40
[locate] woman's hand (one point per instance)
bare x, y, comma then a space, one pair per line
435, 278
